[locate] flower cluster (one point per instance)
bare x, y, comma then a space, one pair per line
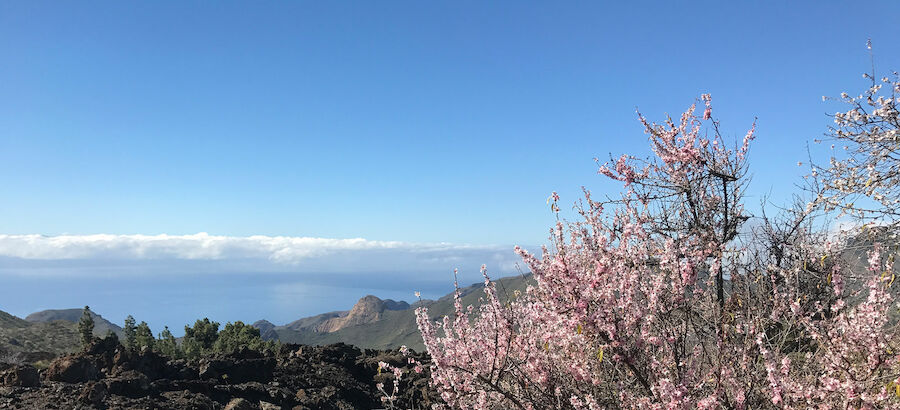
863, 178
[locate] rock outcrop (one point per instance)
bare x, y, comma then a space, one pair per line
367, 310
73, 369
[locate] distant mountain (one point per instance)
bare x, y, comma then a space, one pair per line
369, 309
101, 325
266, 329
19, 335
48, 331
856, 248
383, 324
313, 322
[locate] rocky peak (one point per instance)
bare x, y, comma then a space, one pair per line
367, 310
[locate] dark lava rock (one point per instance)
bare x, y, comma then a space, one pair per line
239, 367
187, 400
93, 393
180, 370
256, 392
104, 346
147, 362
129, 383
240, 404
105, 375
32, 357
21, 376
73, 369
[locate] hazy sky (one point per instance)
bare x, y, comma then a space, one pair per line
413, 126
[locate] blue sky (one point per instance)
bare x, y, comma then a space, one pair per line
415, 122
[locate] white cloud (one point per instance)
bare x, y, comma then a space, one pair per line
201, 246
206, 252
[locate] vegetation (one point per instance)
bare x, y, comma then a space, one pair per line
199, 339
167, 345
86, 327
143, 337
658, 299
237, 335
53, 337
129, 332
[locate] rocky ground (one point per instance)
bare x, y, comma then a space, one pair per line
105, 375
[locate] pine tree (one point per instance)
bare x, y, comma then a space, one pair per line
166, 344
143, 337
129, 332
86, 326
237, 335
200, 338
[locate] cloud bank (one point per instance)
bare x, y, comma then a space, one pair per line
260, 253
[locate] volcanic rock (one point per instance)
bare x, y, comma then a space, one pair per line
21, 376
73, 369
106, 375
129, 383
240, 404
240, 367
93, 393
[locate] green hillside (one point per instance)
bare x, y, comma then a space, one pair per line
101, 325
398, 327
18, 335
51, 331
8, 321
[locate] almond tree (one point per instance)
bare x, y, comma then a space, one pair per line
862, 177
631, 308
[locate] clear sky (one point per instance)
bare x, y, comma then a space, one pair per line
416, 122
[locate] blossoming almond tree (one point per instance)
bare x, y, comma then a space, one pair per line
631, 309
862, 178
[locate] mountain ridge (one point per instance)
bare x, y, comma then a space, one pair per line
389, 328
371, 323
101, 325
